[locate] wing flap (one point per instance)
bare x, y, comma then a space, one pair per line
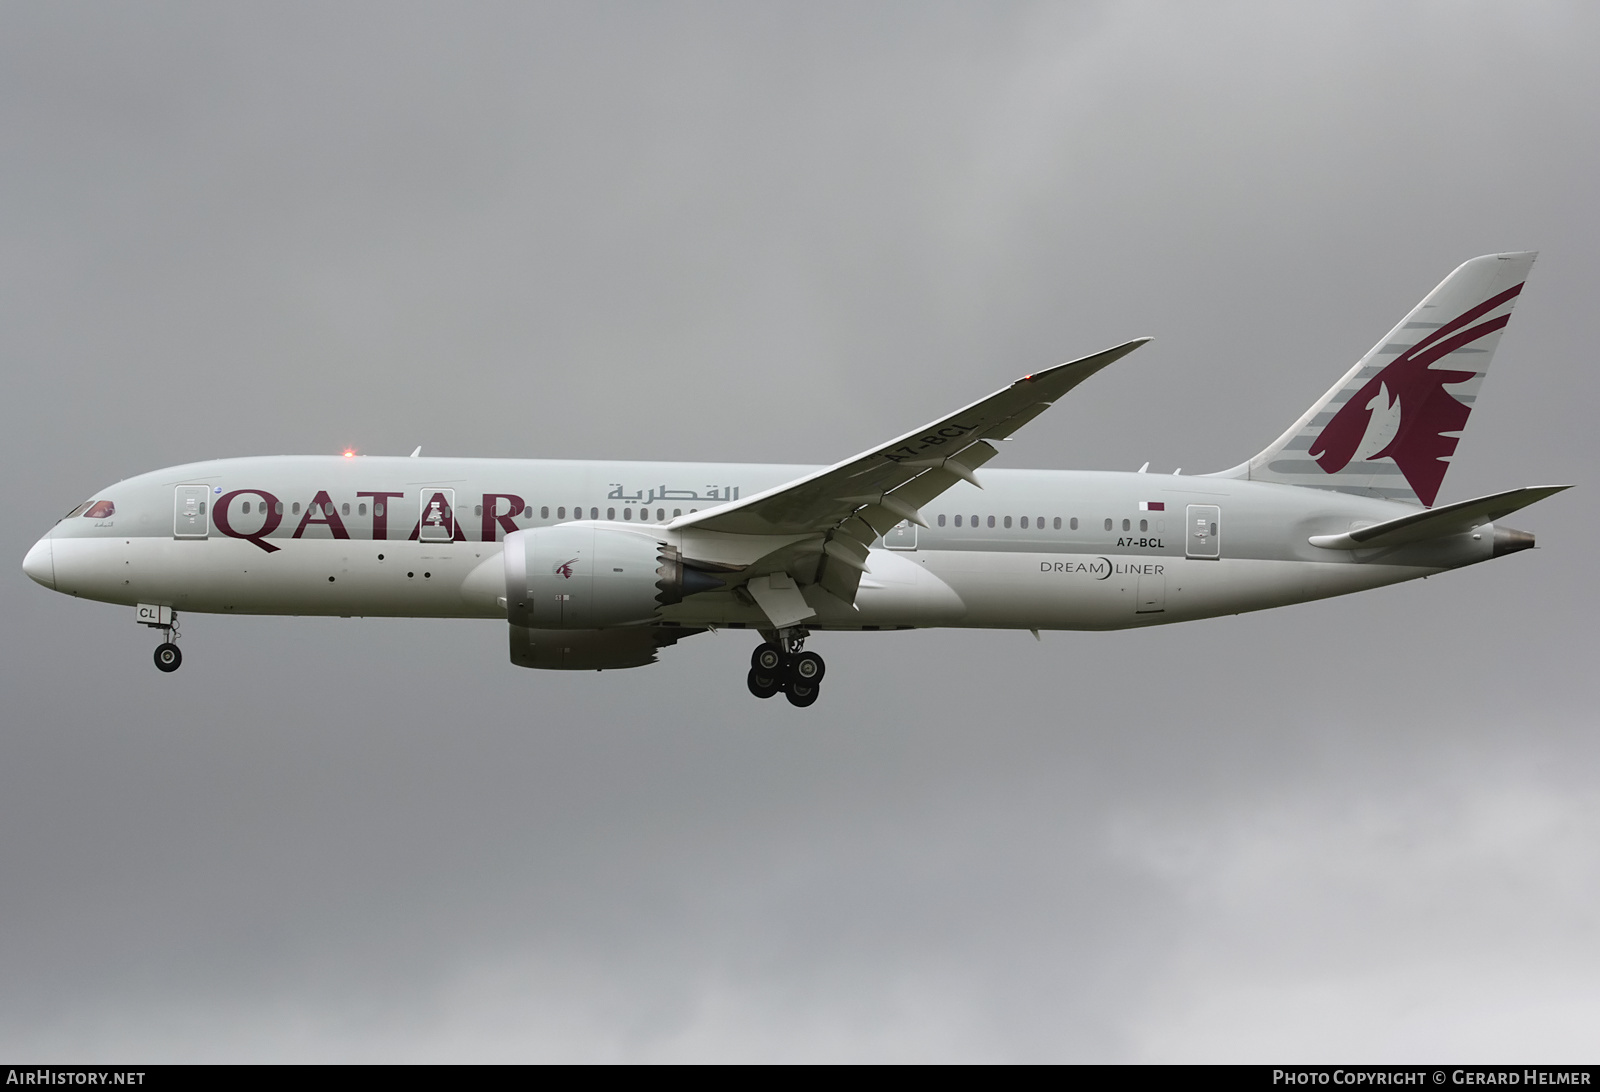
779, 599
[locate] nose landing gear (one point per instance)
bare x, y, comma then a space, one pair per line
779, 663
168, 656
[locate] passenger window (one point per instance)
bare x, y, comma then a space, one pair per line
958, 521
611, 513
1108, 525
661, 514
1074, 523
345, 508
377, 508
1008, 523
294, 509
1144, 525
361, 509
594, 513
676, 512
477, 509
245, 508
544, 513
278, 508
991, 521
627, 513
1126, 526
974, 521
1024, 523
1040, 523
941, 520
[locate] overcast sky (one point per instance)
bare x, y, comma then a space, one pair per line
1367, 828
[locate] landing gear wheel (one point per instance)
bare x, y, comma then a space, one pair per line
761, 684
808, 668
168, 658
803, 694
767, 658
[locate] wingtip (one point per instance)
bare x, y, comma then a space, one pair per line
1129, 346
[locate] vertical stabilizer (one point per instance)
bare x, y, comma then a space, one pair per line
1390, 427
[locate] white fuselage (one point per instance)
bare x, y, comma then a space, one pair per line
421, 537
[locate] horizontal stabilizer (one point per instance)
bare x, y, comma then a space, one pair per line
1450, 519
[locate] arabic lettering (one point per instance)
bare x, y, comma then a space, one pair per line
713, 493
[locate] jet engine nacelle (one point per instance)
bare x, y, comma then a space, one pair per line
583, 576
590, 649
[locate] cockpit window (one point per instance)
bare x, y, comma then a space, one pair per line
100, 510
78, 511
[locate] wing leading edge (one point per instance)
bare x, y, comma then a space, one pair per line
848, 505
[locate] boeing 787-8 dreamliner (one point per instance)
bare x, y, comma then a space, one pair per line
597, 565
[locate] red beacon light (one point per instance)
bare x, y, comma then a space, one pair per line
349, 453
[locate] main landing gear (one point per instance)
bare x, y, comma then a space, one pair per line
779, 664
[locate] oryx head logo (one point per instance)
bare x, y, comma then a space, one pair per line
565, 568
1404, 412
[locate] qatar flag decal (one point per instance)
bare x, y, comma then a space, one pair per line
1152, 506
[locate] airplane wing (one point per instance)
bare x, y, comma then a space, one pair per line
848, 505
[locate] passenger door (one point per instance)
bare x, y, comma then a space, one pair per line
190, 518
1202, 535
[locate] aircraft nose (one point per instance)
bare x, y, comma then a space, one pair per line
40, 564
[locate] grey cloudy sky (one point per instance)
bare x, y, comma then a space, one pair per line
1361, 829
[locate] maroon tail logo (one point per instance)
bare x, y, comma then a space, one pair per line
565, 568
1415, 406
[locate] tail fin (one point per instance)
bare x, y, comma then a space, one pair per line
1390, 427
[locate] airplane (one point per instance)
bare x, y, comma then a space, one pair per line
599, 565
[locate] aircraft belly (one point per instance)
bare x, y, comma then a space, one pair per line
1006, 590
1109, 591
227, 576
901, 590
1206, 589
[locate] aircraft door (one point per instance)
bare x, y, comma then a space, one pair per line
189, 516
1203, 531
437, 522
902, 536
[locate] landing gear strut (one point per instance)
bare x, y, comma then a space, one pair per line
779, 663
168, 656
